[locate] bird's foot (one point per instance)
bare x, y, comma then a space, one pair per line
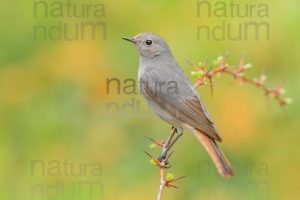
169, 143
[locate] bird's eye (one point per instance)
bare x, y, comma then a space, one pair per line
148, 42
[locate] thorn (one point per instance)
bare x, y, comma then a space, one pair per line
209, 75
173, 186
211, 87
281, 84
176, 179
162, 164
170, 155
167, 183
154, 141
150, 139
204, 64
149, 155
155, 160
193, 65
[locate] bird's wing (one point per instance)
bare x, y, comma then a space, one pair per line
186, 106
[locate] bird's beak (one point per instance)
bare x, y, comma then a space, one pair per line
129, 39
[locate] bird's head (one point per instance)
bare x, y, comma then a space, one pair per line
149, 45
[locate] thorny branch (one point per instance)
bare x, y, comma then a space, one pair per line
205, 77
163, 163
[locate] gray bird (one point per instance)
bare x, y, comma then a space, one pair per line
173, 98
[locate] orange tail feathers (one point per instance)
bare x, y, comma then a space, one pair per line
221, 162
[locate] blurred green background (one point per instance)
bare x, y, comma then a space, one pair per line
53, 104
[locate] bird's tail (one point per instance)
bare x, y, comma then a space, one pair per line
216, 154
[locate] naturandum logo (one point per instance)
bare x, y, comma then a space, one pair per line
69, 21
232, 21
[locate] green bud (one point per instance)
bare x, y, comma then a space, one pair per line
169, 177
288, 100
197, 73
200, 73
220, 59
282, 91
152, 162
153, 146
247, 66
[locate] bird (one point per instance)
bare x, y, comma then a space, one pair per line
172, 97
